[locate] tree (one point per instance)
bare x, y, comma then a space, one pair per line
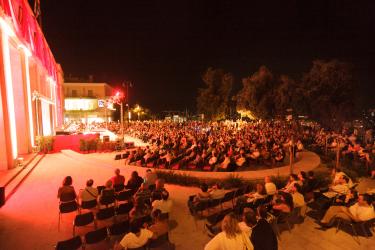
285, 94
256, 94
213, 101
330, 92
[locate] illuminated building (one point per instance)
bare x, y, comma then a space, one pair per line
86, 102
30, 83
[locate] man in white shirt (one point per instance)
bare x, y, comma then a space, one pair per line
137, 237
270, 186
361, 211
217, 192
164, 205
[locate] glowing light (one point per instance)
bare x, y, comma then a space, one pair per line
6, 28
80, 104
9, 91
29, 98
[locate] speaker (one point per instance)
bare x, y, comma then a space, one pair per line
2, 196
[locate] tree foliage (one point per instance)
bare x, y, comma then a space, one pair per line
256, 94
213, 101
330, 92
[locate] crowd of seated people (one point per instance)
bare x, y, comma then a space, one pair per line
225, 146
153, 204
285, 203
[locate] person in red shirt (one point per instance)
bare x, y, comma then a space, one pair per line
118, 179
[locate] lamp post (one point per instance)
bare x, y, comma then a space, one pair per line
36, 97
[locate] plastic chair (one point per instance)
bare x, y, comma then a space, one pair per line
96, 236
124, 195
66, 207
228, 197
89, 204
124, 208
83, 220
353, 224
105, 213
119, 228
71, 244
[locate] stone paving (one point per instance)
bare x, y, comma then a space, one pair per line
29, 219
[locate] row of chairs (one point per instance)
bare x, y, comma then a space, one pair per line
105, 233
228, 197
88, 218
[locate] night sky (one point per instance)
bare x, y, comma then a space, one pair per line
164, 47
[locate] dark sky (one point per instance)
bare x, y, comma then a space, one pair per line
163, 47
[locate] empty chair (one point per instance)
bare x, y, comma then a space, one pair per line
119, 228
67, 207
107, 200
118, 157
71, 244
83, 220
89, 204
124, 195
96, 236
105, 213
124, 208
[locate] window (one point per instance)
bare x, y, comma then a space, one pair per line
90, 93
74, 93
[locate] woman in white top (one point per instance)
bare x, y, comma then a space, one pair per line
231, 237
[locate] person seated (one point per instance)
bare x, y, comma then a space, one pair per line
263, 236
139, 210
130, 158
255, 154
240, 159
360, 211
89, 193
107, 192
346, 200
248, 222
298, 199
136, 238
150, 179
66, 192
283, 203
302, 176
223, 166
216, 191
118, 179
341, 187
270, 187
160, 223
337, 174
159, 188
164, 205
230, 238
134, 182
204, 195
252, 197
311, 182
143, 193
293, 179
213, 160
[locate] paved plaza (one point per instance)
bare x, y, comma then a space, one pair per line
29, 219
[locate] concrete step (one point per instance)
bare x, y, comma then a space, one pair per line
16, 181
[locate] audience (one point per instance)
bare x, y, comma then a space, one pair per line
269, 186
164, 205
134, 182
137, 237
231, 237
263, 237
89, 193
118, 179
360, 211
216, 191
67, 192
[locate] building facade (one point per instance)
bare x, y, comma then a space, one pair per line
30, 83
86, 102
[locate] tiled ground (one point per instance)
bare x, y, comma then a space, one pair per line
29, 219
